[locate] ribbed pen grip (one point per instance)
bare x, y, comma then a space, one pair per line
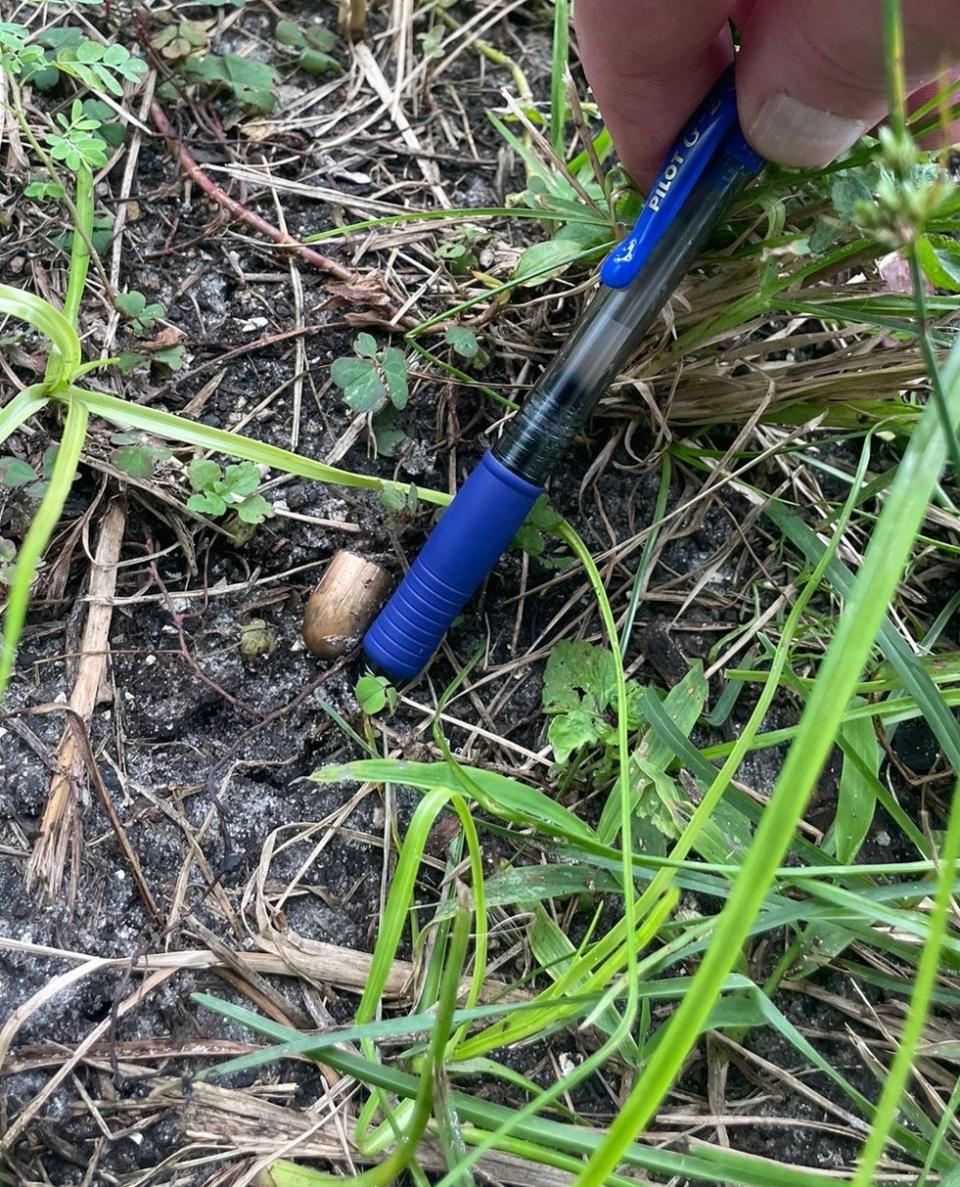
466, 544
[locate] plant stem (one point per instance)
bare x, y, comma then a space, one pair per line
492, 54
222, 198
893, 61
926, 349
80, 248
558, 74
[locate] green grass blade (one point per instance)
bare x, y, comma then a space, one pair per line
558, 75
505, 797
857, 628
80, 248
65, 357
38, 535
642, 575
178, 428
23, 405
933, 705
544, 1136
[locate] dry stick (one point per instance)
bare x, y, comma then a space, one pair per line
237, 1123
314, 960
222, 198
59, 817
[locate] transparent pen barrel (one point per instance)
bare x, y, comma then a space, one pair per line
609, 334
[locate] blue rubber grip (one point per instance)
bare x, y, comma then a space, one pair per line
472, 535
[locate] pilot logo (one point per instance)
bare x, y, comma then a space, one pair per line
666, 178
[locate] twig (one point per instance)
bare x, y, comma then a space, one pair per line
222, 198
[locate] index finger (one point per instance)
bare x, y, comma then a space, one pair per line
650, 62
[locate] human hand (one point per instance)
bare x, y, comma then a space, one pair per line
811, 75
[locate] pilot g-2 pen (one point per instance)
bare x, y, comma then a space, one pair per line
707, 167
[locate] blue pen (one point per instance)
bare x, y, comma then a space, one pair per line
707, 167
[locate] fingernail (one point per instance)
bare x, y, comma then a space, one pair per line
791, 133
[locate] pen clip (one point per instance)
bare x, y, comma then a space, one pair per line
714, 126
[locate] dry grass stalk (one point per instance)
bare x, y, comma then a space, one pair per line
319, 963
352, 18
242, 1124
374, 75
60, 829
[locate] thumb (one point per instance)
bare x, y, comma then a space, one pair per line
811, 76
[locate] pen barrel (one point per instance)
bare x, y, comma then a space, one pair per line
610, 332
473, 533
478, 526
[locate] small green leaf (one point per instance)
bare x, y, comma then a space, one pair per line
129, 360
257, 637
135, 460
254, 509
849, 189
939, 258
573, 665
252, 82
49, 460
321, 38
825, 233
388, 436
365, 345
203, 473
458, 258
375, 693
430, 42
89, 51
360, 383
394, 364
544, 516
207, 503
170, 356
15, 472
287, 33
242, 478
315, 61
130, 304
567, 732
44, 189
529, 540
551, 257
392, 499
134, 306
463, 340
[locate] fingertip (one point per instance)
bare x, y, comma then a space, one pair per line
792, 133
649, 64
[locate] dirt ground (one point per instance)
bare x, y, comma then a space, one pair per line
204, 751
